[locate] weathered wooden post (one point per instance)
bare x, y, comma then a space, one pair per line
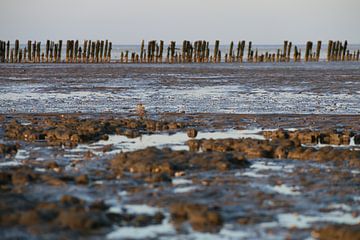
249, 52
296, 54
283, 56
51, 51
172, 44
29, 50
153, 49
88, 52
72, 51
231, 51
76, 51
161, 50
318, 50
20, 56
126, 56
56, 48
289, 52
219, 57
59, 51
47, 50
12, 56
242, 50
357, 55
16, 50
109, 52
106, 50
8, 51
34, 52
101, 50
216, 50
142, 50
328, 57
38, 51
97, 51
308, 51
345, 48
149, 52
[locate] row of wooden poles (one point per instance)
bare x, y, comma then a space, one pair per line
99, 51
90, 52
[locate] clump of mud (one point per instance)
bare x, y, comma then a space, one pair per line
283, 144
152, 161
335, 232
8, 149
307, 136
202, 218
69, 131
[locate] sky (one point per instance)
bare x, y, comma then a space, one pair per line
130, 21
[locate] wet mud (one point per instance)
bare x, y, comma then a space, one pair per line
249, 183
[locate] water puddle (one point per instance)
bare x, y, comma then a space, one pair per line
174, 141
290, 220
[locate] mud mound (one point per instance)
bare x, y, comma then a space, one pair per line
69, 131
281, 148
153, 161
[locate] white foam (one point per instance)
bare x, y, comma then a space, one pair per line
134, 209
181, 181
290, 220
185, 189
284, 189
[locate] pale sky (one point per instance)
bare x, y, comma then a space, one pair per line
129, 21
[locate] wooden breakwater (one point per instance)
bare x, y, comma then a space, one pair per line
99, 51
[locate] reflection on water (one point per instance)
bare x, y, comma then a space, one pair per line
174, 141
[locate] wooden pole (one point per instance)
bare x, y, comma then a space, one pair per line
38, 51
76, 51
109, 52
161, 49
51, 51
231, 51
283, 56
216, 50
142, 50
34, 52
328, 57
88, 52
106, 50
344, 50
249, 52
318, 50
72, 51
308, 51
16, 50
12, 56
47, 50
101, 50
29, 50
97, 51
8, 51
289, 52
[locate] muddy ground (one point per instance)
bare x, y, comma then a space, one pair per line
264, 170
291, 184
